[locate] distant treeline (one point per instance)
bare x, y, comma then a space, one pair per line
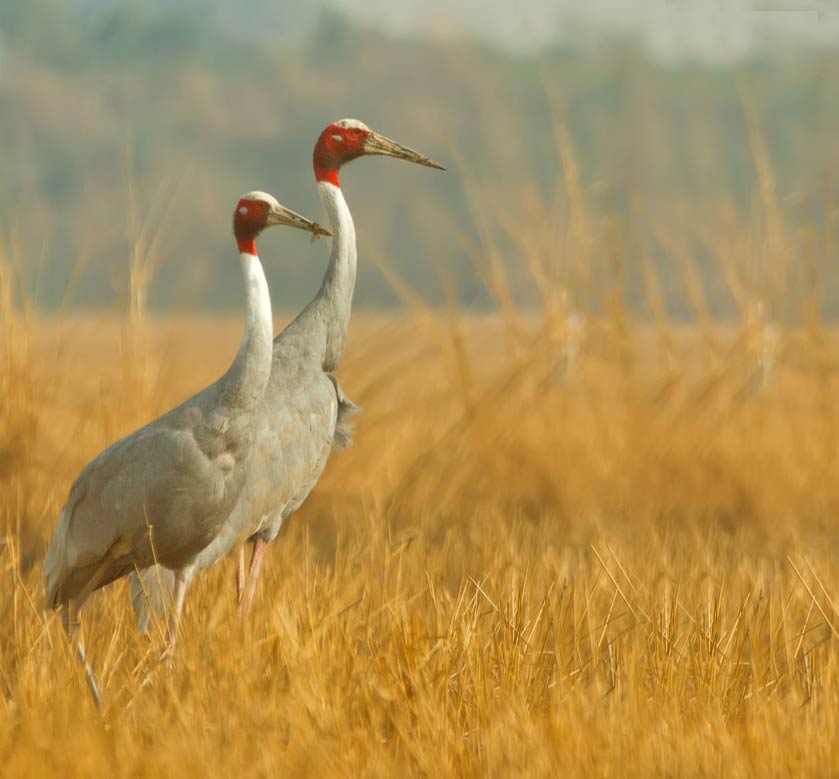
129, 132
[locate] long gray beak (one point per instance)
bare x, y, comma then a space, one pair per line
280, 215
378, 144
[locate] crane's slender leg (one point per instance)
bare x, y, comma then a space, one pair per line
241, 575
259, 547
70, 622
89, 676
182, 582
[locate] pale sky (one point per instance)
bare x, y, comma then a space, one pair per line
717, 30
708, 29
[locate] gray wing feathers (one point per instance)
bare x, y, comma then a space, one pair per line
53, 564
305, 415
79, 542
301, 418
160, 477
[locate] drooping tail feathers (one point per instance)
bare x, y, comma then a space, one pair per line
53, 563
344, 426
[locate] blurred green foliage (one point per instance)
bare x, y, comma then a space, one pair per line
130, 125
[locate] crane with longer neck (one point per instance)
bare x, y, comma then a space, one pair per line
165, 491
304, 412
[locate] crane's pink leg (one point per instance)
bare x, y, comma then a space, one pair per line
241, 575
178, 596
259, 547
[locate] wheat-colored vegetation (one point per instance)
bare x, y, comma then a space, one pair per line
574, 542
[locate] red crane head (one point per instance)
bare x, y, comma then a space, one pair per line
258, 210
348, 139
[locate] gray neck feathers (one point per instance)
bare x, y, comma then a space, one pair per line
248, 375
333, 303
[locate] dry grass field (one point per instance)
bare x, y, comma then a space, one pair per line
562, 545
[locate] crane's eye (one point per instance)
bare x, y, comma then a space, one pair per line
337, 137
243, 210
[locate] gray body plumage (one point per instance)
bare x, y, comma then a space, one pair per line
163, 492
304, 416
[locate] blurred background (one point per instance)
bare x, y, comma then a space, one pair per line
590, 514
130, 127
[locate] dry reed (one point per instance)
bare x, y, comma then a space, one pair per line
570, 542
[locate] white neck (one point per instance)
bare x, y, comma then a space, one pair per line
252, 366
336, 291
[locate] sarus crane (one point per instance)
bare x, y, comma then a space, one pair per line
304, 412
163, 493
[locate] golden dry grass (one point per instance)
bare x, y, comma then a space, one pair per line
563, 545
624, 566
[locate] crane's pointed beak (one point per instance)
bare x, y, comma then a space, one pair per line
378, 144
280, 215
